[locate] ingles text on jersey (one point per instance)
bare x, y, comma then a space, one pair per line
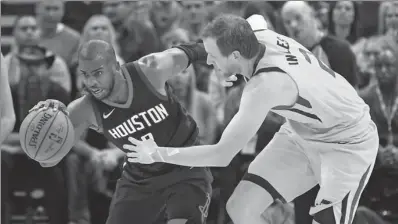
140, 121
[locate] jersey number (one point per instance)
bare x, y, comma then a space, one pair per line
324, 67
147, 137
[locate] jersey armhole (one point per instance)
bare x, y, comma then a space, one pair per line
277, 69
146, 81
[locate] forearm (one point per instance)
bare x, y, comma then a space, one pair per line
7, 124
195, 156
84, 149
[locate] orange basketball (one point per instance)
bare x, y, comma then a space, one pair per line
46, 135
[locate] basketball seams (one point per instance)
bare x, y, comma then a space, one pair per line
66, 136
48, 129
26, 134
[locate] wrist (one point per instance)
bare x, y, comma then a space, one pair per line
157, 155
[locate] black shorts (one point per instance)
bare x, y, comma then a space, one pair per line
188, 199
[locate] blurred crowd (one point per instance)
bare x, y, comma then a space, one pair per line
359, 40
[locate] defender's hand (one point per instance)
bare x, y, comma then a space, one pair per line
141, 151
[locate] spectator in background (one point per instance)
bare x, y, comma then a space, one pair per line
55, 36
35, 74
166, 16
194, 17
365, 60
343, 20
27, 38
78, 12
136, 34
301, 25
267, 11
382, 98
391, 23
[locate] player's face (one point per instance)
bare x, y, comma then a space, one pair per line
227, 65
97, 76
99, 29
391, 18
299, 25
386, 67
343, 13
26, 31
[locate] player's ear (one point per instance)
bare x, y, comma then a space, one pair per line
236, 55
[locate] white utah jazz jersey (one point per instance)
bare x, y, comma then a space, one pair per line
327, 104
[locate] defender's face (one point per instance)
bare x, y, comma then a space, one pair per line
221, 63
97, 76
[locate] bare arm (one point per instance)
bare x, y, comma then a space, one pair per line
259, 97
7, 114
161, 66
82, 116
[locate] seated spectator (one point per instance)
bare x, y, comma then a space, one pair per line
165, 16
194, 17
27, 37
54, 34
301, 25
343, 21
381, 194
35, 74
135, 36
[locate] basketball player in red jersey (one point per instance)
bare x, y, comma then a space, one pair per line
7, 115
135, 100
329, 138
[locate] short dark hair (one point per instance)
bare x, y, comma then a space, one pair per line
232, 33
95, 49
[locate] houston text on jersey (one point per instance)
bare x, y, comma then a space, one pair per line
140, 121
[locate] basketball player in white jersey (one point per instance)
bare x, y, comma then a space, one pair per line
328, 139
7, 115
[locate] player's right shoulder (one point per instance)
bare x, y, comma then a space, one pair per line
81, 107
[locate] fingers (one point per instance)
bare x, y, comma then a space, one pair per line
228, 82
129, 147
135, 141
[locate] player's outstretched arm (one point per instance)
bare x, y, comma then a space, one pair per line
260, 95
7, 114
161, 66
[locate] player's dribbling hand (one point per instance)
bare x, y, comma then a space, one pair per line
54, 104
141, 151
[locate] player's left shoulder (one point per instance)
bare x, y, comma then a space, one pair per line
271, 82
